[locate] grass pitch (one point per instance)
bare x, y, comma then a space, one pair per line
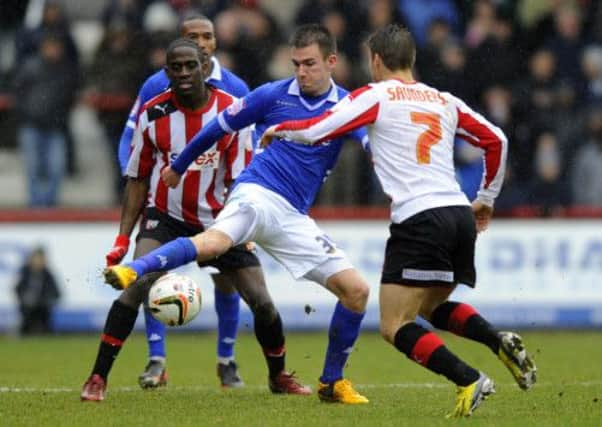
40, 380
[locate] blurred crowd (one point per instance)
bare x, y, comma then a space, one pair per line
533, 67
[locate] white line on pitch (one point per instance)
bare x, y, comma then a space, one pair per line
4, 389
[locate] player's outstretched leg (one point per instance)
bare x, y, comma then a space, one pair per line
342, 334
227, 307
428, 350
463, 320
120, 322
155, 372
171, 255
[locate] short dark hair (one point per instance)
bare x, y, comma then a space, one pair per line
309, 34
192, 15
184, 42
395, 46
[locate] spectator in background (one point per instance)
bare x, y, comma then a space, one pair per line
591, 63
428, 58
45, 88
548, 191
418, 14
249, 34
567, 43
586, 174
480, 25
27, 44
37, 292
112, 87
27, 41
451, 77
497, 59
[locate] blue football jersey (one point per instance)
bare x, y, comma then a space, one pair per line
294, 171
156, 84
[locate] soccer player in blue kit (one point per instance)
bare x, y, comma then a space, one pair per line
199, 29
270, 200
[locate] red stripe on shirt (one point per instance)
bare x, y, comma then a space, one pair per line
366, 118
231, 156
163, 141
484, 138
192, 179
146, 159
215, 205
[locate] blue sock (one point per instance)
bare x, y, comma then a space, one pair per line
171, 255
227, 308
343, 331
155, 336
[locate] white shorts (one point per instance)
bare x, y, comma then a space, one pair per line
255, 214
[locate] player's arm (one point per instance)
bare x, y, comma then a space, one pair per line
478, 131
138, 170
358, 109
148, 91
240, 114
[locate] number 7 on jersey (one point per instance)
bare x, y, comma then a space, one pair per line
429, 137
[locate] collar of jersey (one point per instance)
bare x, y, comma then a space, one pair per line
200, 110
333, 95
216, 73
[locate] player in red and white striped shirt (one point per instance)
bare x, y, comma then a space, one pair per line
163, 129
165, 124
412, 128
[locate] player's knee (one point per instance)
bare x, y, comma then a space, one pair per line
211, 244
388, 332
355, 296
130, 299
264, 312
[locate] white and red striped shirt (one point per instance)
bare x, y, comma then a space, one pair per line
411, 128
162, 132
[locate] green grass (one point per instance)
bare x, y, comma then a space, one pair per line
40, 379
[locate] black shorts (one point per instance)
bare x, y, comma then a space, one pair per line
159, 226
433, 247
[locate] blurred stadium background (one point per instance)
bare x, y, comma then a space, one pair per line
533, 67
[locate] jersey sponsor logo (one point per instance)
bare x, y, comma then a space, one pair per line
236, 107
207, 160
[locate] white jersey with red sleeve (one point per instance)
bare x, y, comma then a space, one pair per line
163, 130
411, 128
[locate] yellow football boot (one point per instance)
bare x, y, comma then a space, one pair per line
469, 398
120, 276
513, 354
341, 391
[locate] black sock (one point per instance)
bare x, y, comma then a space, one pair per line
428, 350
271, 338
463, 320
119, 324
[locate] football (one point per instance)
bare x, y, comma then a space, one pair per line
174, 299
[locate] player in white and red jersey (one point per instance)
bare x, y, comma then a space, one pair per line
430, 251
162, 132
166, 123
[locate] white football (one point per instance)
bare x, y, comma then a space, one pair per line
174, 299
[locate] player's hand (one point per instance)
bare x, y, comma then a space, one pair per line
170, 177
482, 214
268, 136
120, 248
